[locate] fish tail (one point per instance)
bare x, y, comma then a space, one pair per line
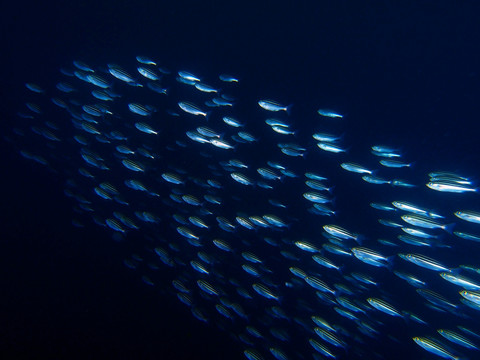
360, 239
449, 228
288, 109
390, 262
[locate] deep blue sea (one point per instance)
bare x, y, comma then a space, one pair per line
403, 74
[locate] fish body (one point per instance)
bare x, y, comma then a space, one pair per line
274, 106
192, 109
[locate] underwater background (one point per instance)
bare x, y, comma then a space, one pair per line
401, 74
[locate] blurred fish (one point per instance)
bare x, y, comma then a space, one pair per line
329, 113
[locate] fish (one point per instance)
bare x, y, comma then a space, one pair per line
457, 338
148, 73
426, 222
35, 88
434, 348
145, 128
133, 165
470, 216
228, 78
142, 110
405, 206
330, 337
241, 178
329, 113
264, 291
375, 180
98, 81
462, 281
188, 76
114, 224
82, 66
419, 233
321, 348
371, 257
324, 137
341, 233
424, 261
394, 163
255, 235
450, 187
411, 279
317, 198
359, 169
318, 284
121, 74
220, 143
274, 106
145, 60
173, 178
231, 121
205, 88
333, 148
384, 307
473, 296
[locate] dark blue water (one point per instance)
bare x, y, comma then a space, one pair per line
407, 72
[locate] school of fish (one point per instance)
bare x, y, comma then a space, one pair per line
248, 219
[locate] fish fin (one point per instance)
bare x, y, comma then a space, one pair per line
406, 317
